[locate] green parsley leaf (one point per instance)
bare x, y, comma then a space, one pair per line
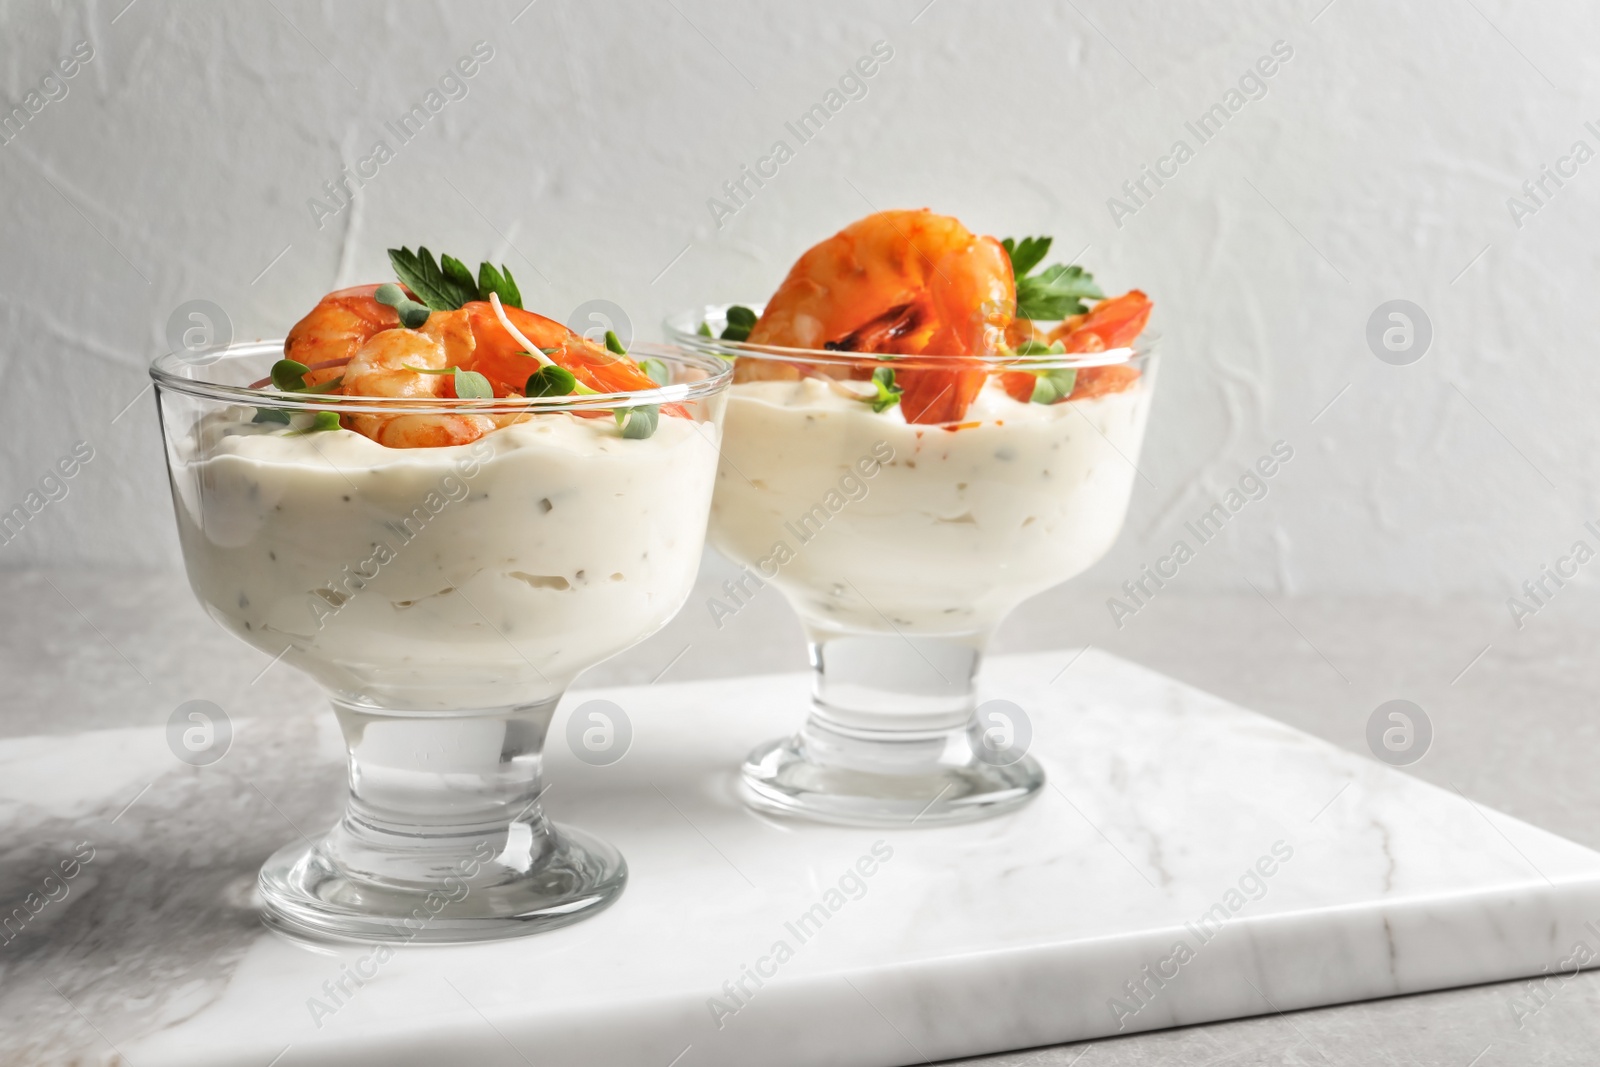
289, 375
741, 320
470, 385
442, 289
498, 281
448, 284
656, 369
277, 415
640, 422
1026, 254
704, 330
614, 343
1056, 293
457, 274
550, 381
888, 392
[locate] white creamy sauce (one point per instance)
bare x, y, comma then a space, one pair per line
445, 578
867, 522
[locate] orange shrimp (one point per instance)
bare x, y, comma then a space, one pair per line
349, 333
1114, 323
895, 282
345, 320
900, 283
1023, 330
382, 368
500, 357
336, 329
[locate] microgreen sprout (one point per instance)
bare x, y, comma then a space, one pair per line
528, 347
656, 369
413, 316
320, 422
888, 393
550, 381
554, 380
640, 422
741, 320
1053, 383
326, 387
470, 385
289, 375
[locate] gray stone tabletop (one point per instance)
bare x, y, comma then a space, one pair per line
1512, 713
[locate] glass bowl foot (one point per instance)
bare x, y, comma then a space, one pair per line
567, 877
891, 779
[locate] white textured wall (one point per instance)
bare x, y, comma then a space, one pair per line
1378, 165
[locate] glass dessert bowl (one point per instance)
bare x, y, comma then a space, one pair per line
902, 529
444, 596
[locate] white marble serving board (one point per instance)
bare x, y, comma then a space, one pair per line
1019, 931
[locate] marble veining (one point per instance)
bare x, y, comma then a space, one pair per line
1191, 861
